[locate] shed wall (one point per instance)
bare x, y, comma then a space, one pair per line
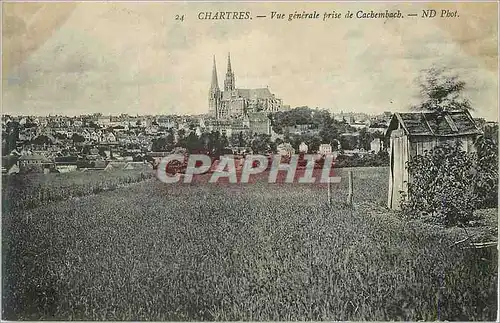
398, 178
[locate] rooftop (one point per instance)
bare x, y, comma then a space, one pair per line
433, 123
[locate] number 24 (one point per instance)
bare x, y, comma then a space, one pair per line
179, 17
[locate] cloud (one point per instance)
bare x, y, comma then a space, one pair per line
131, 57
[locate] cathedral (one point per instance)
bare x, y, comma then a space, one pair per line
234, 103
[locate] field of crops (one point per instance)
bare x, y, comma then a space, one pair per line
154, 251
34, 190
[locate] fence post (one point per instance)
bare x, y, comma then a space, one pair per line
349, 196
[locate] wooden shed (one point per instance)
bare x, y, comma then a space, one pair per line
412, 133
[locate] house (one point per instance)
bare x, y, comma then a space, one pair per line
35, 163
413, 133
376, 145
104, 121
358, 125
325, 149
303, 148
110, 137
198, 132
285, 149
377, 126
257, 122
152, 130
166, 123
66, 168
95, 136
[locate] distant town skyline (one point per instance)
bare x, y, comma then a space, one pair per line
79, 58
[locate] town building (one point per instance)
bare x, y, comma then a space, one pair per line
285, 149
257, 122
376, 145
325, 149
303, 148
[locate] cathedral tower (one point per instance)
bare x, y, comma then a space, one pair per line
229, 81
214, 95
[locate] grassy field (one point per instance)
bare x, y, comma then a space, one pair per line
153, 251
34, 190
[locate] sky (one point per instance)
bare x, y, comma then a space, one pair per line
135, 58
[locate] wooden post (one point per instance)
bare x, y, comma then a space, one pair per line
349, 196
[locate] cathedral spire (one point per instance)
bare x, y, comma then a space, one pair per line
214, 94
215, 82
229, 81
229, 63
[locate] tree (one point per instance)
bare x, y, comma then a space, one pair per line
442, 91
77, 138
42, 140
217, 143
102, 152
241, 140
193, 143
260, 143
321, 117
283, 119
205, 140
181, 133
328, 133
12, 131
486, 181
169, 141
60, 136
166, 143
348, 142
224, 142
30, 124
313, 142
365, 139
93, 125
491, 132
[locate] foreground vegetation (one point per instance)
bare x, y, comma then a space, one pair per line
447, 184
33, 190
241, 252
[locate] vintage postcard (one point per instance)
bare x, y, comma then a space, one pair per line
249, 161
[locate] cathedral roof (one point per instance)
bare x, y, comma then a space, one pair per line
262, 93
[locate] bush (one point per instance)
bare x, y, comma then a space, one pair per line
442, 185
486, 185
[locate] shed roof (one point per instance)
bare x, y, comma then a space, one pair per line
434, 123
